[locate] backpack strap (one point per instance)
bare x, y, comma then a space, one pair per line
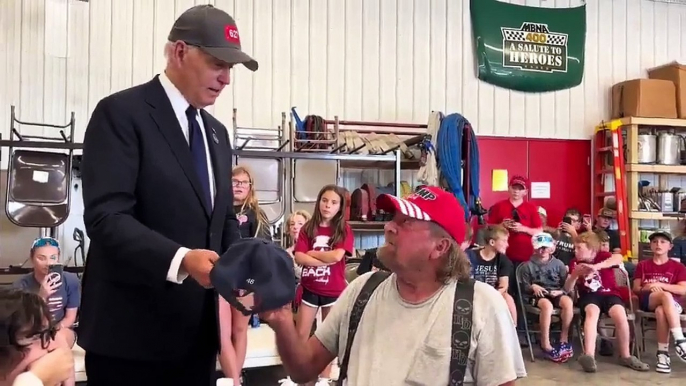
461, 331
356, 315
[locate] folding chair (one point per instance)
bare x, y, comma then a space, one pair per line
527, 309
38, 188
643, 317
39, 182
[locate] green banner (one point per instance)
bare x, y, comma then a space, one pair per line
529, 49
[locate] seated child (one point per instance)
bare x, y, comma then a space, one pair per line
491, 266
606, 348
660, 283
591, 271
543, 278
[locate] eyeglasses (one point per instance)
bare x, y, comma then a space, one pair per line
45, 242
237, 183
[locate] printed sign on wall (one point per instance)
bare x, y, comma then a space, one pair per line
529, 49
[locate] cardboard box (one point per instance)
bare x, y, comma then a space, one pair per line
648, 98
675, 73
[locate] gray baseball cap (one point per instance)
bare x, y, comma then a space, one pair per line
213, 31
660, 233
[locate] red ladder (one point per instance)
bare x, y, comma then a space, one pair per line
608, 154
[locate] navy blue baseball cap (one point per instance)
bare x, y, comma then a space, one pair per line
255, 266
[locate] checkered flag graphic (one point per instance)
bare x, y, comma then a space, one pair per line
514, 35
557, 40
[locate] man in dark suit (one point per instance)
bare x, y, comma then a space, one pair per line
159, 208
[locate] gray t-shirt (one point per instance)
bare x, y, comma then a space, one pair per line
398, 343
67, 296
550, 274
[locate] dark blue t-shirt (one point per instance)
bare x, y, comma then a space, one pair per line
67, 296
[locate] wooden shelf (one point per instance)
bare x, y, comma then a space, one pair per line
643, 215
661, 169
361, 164
367, 226
653, 122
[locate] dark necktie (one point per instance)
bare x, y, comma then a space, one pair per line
199, 153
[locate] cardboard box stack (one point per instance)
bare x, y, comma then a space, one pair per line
662, 95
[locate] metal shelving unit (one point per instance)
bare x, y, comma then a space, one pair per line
629, 127
290, 149
357, 161
45, 215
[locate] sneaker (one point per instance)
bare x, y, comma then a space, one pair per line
664, 364
323, 382
680, 348
566, 351
287, 382
552, 355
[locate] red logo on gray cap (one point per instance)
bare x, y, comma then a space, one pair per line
231, 35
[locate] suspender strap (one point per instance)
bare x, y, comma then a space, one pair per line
461, 331
356, 315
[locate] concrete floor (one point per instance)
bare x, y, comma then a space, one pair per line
544, 373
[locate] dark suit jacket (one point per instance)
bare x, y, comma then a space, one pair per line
142, 202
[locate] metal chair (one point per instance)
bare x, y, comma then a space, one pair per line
643, 317
527, 309
38, 183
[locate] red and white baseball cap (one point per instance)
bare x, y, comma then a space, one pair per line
429, 203
519, 180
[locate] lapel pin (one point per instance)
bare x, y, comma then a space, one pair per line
214, 136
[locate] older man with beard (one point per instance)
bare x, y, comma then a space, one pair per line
426, 323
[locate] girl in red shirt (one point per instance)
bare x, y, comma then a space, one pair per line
323, 243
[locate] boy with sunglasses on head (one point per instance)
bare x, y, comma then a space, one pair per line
543, 278
61, 291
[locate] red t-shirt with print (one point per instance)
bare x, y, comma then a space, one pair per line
602, 282
520, 249
326, 280
670, 272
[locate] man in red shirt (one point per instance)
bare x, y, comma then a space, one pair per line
520, 217
522, 220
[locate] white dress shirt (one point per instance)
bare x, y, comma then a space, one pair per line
180, 105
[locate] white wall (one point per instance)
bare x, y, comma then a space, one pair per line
60, 56
64, 55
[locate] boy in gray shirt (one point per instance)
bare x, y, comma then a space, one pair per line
543, 279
